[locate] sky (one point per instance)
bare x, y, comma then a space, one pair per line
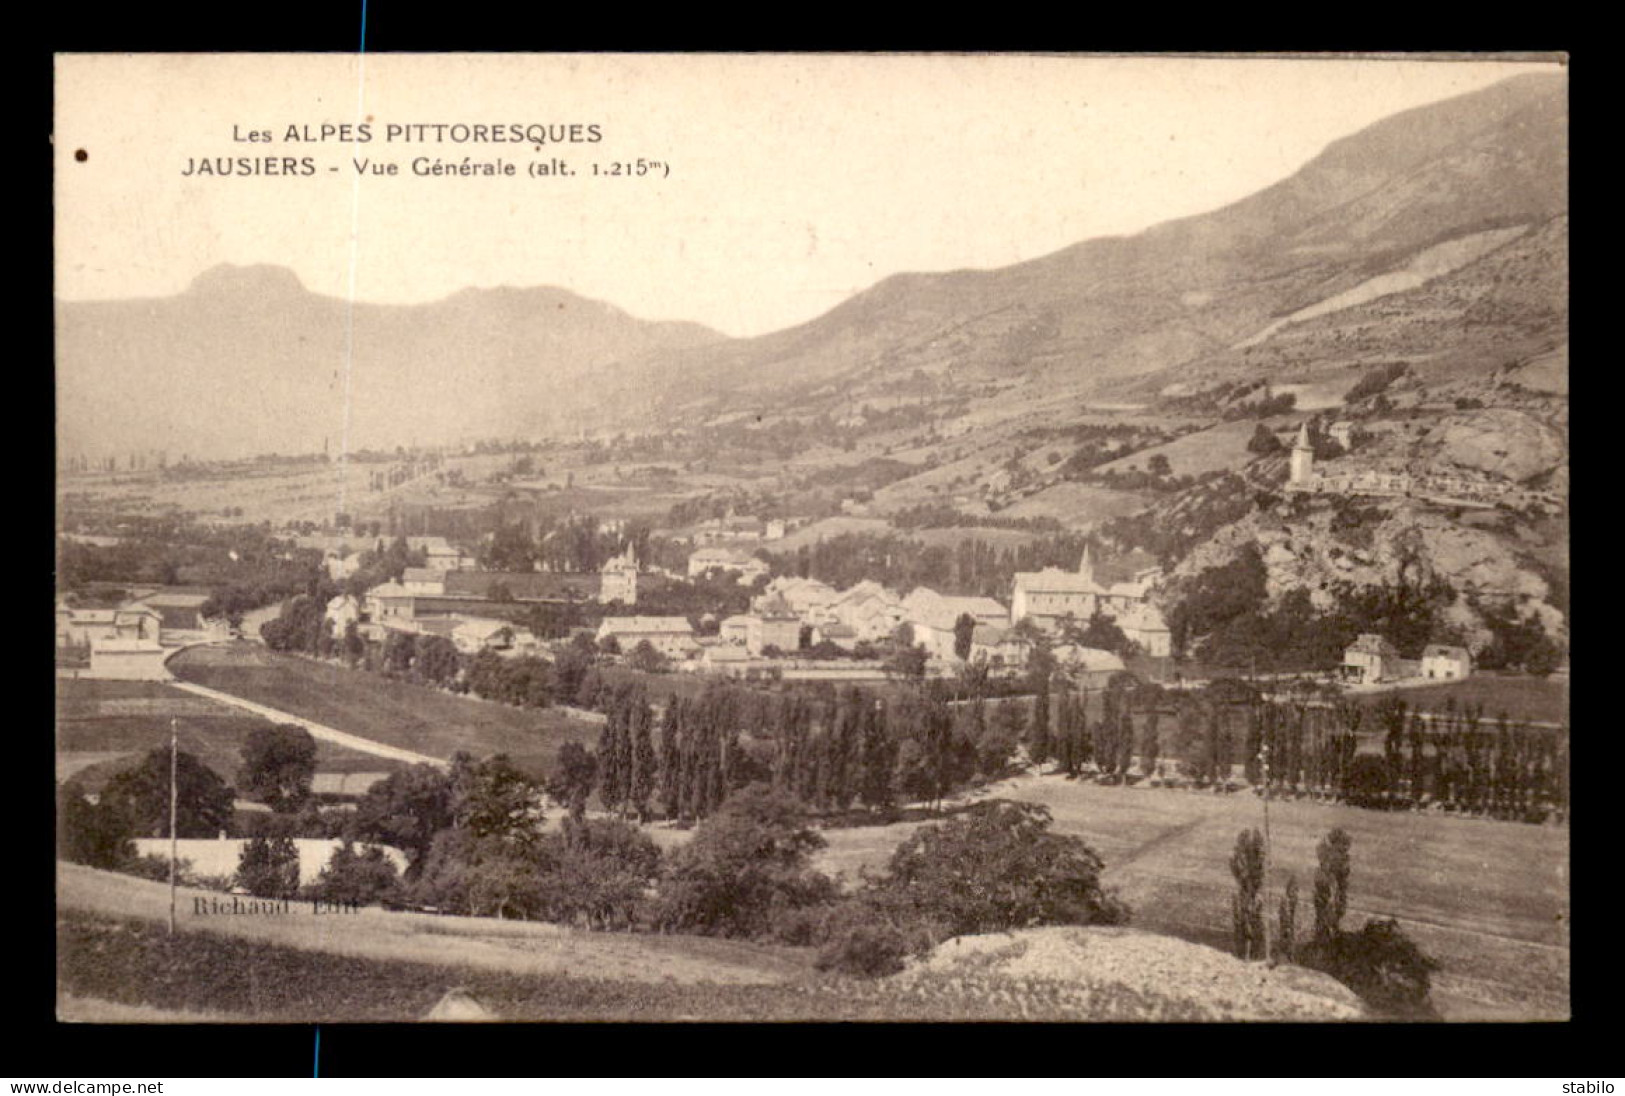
788, 183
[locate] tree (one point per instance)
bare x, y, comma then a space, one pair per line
995, 868
1158, 465
1263, 442
203, 804
644, 657
279, 763
1247, 904
573, 779
964, 629
1331, 883
747, 862
268, 867
492, 798
907, 663
354, 646
599, 870
406, 810
437, 660
91, 833
1286, 922
645, 763
363, 876
1103, 634
1039, 746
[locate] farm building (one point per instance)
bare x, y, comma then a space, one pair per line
181, 611
746, 566
1370, 659
389, 601
998, 645
127, 660
476, 635
1439, 661
85, 627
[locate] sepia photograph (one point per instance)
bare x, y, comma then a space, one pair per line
792, 537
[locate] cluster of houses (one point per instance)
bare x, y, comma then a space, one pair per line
130, 641
1372, 659
457, 603
791, 608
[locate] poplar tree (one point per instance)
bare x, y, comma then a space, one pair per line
671, 758
1331, 883
1038, 735
1247, 905
1286, 922
879, 759
1150, 746
645, 763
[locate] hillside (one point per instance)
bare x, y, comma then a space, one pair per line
1414, 197
266, 358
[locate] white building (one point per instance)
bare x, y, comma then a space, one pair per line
343, 611
731, 560
1439, 661
671, 636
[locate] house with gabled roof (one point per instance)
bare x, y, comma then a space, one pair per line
1370, 659
1441, 661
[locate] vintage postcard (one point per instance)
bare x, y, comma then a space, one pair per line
789, 537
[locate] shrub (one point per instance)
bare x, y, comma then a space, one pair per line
1381, 964
269, 867
364, 876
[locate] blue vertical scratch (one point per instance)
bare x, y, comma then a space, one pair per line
316, 1063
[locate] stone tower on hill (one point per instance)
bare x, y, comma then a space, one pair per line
1303, 456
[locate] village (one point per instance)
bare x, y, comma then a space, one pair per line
796, 628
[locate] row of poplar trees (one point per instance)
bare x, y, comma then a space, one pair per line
835, 751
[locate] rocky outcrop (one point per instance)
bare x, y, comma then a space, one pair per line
1368, 544
1502, 441
1117, 971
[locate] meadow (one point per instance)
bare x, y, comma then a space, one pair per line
397, 713
1489, 900
105, 726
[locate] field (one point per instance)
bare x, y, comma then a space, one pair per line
413, 717
1216, 449
1488, 900
1543, 700
1076, 505
103, 726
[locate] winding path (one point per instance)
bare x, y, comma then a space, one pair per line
317, 730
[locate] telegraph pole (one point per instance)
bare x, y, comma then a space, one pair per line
1264, 761
174, 754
